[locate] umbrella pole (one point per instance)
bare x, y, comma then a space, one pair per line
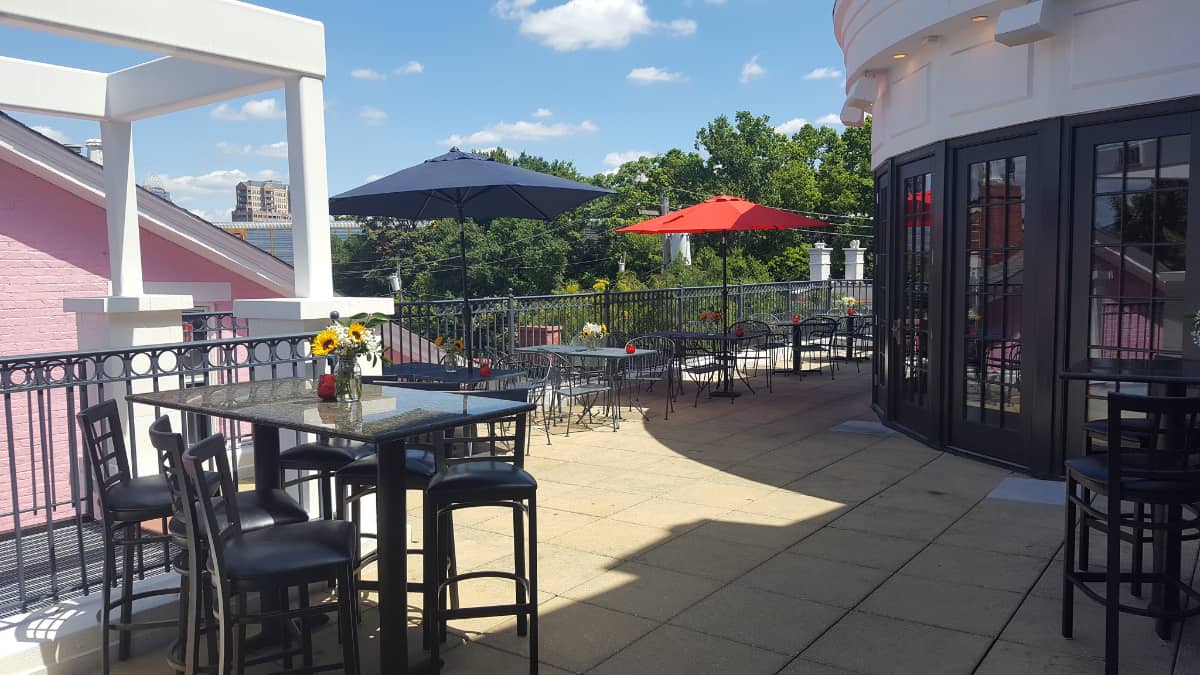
727, 387
466, 310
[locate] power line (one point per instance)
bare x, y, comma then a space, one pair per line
702, 197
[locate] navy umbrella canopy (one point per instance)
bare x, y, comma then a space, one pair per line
464, 185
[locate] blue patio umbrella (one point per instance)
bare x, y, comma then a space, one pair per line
463, 185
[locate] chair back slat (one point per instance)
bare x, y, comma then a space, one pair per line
1168, 430
104, 439
170, 446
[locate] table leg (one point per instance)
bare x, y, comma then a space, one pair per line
796, 366
391, 513
266, 457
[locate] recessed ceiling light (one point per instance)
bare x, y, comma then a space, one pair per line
979, 19
899, 55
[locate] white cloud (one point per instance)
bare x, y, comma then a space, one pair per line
278, 150
751, 70
791, 126
542, 112
258, 109
233, 148
587, 24
410, 68
823, 74
219, 181
211, 216
519, 131
830, 120
373, 177
614, 160
653, 74
367, 74
372, 115
53, 134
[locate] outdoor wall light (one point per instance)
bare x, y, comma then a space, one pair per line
979, 19
899, 55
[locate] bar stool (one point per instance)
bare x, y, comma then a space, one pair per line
475, 481
322, 458
267, 561
125, 503
258, 509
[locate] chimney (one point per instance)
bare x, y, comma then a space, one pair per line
94, 151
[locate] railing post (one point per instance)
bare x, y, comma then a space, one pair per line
829, 295
741, 311
606, 309
512, 323
679, 310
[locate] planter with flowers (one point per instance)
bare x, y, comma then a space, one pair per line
452, 353
592, 334
712, 320
344, 343
847, 303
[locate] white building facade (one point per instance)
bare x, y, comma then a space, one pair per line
1034, 206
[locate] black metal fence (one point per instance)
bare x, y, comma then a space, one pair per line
501, 323
49, 542
199, 326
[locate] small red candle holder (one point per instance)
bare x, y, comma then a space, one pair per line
795, 319
629, 348
326, 388
485, 369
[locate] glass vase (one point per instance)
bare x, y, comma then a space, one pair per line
452, 362
347, 380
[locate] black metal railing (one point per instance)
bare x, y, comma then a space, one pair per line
500, 324
49, 542
199, 326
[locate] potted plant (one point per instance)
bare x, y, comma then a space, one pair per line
592, 334
452, 352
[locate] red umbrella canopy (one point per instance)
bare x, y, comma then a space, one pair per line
723, 214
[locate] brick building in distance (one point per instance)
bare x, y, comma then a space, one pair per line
262, 201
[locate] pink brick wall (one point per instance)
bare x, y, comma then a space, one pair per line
54, 245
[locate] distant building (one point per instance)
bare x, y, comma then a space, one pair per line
262, 202
275, 237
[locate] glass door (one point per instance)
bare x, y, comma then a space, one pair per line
991, 320
912, 327
880, 287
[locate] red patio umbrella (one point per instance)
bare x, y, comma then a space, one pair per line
723, 214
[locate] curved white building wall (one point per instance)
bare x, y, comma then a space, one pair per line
957, 80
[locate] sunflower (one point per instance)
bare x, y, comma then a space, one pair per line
357, 331
325, 342
458, 345
438, 342
603, 328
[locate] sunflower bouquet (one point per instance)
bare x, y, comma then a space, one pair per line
346, 342
711, 319
452, 352
593, 334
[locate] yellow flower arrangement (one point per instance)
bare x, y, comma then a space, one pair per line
458, 344
325, 342
439, 341
357, 332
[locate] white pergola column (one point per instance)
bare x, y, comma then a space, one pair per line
120, 206
818, 261
309, 187
856, 261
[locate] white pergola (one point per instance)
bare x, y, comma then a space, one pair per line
214, 50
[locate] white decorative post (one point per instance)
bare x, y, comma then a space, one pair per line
856, 261
309, 187
818, 261
120, 209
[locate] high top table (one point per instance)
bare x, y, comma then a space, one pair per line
435, 372
726, 340
385, 416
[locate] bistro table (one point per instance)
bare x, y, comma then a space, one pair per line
385, 416
613, 357
726, 340
1176, 374
435, 372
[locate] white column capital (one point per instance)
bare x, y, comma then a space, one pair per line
819, 261
856, 259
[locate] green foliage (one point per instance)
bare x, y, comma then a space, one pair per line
816, 169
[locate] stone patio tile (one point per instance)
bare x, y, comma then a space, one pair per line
756, 529
860, 548
904, 453
551, 522
474, 657
736, 448
976, 567
754, 474
644, 590
877, 645
577, 473
692, 553
756, 617
560, 568
973, 609
806, 667
799, 458
843, 490
1015, 536
475, 547
679, 517
1007, 510
671, 650
575, 636
784, 503
833, 583
1037, 625
684, 467
592, 501
901, 523
1049, 585
925, 500
1006, 658
650, 483
627, 456
614, 538
719, 494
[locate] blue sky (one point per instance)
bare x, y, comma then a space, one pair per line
555, 78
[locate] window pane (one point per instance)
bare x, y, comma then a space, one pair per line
1170, 217
976, 182
1174, 161
1141, 161
1138, 218
1109, 165
1106, 220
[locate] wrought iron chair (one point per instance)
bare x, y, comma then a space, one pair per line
570, 383
757, 351
651, 369
125, 503
1162, 472
267, 561
536, 366
816, 339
